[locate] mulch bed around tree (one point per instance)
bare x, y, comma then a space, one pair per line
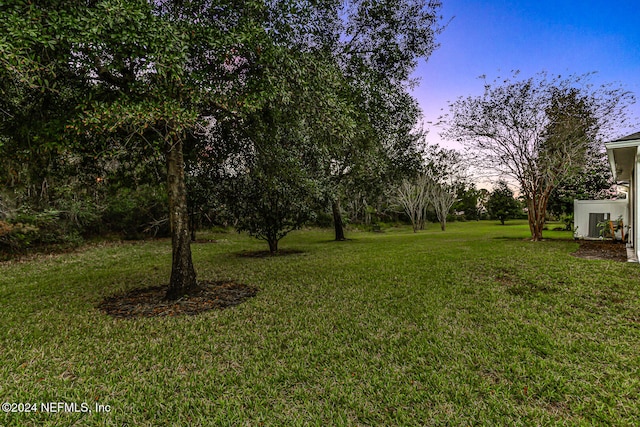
150, 302
602, 249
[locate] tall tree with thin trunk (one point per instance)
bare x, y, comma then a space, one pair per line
377, 46
537, 131
443, 196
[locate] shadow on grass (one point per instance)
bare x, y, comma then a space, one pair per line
345, 241
267, 254
517, 285
528, 239
203, 241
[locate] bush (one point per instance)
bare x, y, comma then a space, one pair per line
325, 219
51, 228
16, 237
81, 216
568, 221
29, 229
136, 213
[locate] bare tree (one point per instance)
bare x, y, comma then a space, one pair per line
413, 197
536, 131
443, 196
445, 171
435, 187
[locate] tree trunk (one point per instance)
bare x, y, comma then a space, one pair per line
337, 220
192, 224
273, 246
537, 209
193, 232
183, 275
443, 224
535, 226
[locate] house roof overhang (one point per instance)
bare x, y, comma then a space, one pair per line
622, 156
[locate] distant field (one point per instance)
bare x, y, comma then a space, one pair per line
472, 326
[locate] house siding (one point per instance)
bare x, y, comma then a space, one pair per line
583, 208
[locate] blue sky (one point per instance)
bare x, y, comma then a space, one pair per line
494, 37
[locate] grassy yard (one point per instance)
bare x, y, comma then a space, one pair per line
473, 326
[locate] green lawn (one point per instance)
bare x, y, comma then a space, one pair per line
472, 326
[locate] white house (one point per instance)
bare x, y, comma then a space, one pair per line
625, 161
587, 214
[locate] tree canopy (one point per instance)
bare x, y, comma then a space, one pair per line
157, 72
593, 182
501, 204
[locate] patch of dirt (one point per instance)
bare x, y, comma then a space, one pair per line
602, 249
267, 254
150, 302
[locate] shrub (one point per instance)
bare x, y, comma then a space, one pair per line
324, 219
16, 237
28, 229
136, 213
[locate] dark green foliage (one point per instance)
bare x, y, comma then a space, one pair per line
468, 204
153, 71
93, 192
269, 206
137, 212
30, 230
501, 204
16, 237
593, 182
372, 143
50, 225
274, 189
323, 85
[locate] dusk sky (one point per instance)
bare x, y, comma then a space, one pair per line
561, 37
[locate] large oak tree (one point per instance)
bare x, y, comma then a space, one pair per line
155, 71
